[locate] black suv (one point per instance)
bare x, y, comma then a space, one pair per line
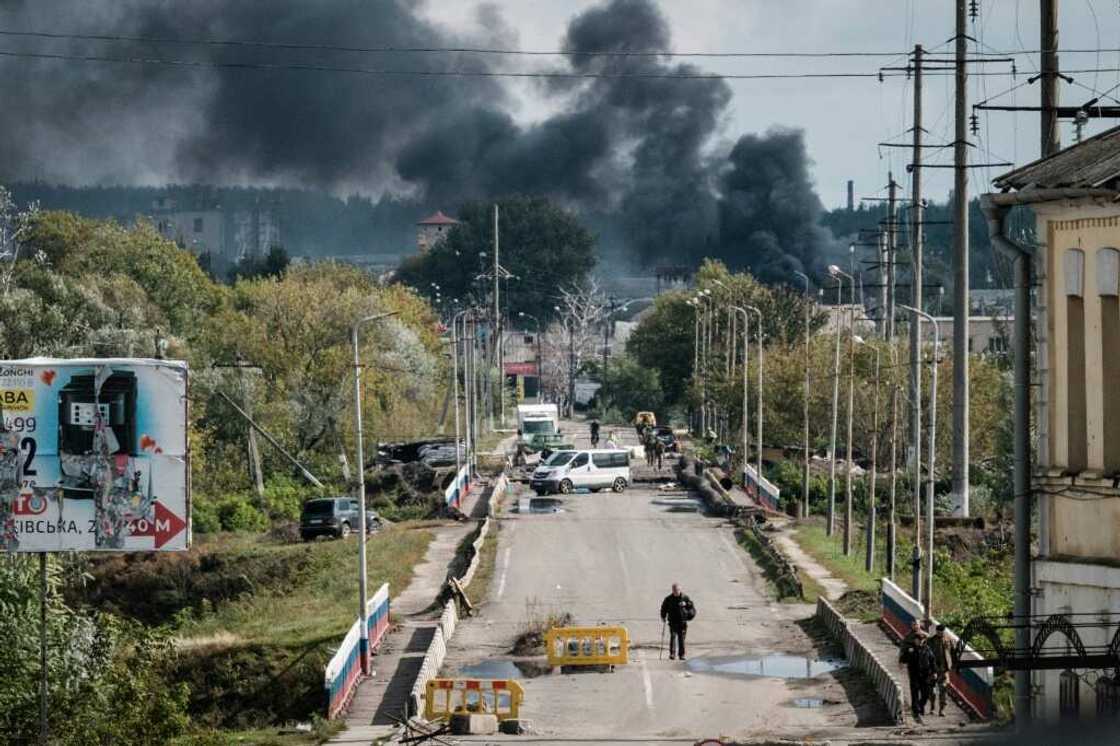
330, 516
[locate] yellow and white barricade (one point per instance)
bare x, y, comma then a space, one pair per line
501, 697
587, 646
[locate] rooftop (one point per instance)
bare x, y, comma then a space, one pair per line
1094, 163
438, 219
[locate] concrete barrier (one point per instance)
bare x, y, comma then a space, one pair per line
972, 687
862, 659
449, 619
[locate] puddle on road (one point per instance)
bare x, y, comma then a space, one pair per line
808, 702
776, 665
679, 505
504, 669
540, 505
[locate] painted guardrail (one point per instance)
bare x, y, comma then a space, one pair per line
761, 490
345, 668
972, 686
863, 659
458, 488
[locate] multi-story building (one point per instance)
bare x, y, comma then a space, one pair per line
1075, 197
225, 236
432, 229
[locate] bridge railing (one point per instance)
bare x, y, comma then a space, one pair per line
972, 686
761, 489
458, 488
345, 668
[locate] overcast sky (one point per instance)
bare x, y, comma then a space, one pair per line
845, 119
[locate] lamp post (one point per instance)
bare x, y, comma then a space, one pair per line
930, 457
872, 497
746, 385
758, 414
851, 401
363, 645
831, 526
455, 387
805, 406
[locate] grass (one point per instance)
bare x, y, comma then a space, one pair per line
321, 730
321, 603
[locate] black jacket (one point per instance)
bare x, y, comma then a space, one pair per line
673, 609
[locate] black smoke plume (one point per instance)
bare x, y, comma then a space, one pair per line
639, 156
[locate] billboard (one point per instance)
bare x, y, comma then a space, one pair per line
93, 455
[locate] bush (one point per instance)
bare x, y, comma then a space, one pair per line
284, 497
238, 515
204, 517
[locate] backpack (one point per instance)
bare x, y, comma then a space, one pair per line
927, 661
688, 609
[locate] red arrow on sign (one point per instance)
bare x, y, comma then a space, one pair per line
164, 527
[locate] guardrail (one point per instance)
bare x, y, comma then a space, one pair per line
861, 658
587, 646
761, 490
345, 667
972, 686
458, 488
500, 697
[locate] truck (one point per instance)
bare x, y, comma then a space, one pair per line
538, 427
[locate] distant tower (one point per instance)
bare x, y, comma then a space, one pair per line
431, 229
851, 195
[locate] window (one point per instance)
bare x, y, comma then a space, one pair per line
580, 460
1069, 704
198, 225
528, 339
1108, 287
997, 345
559, 458
611, 460
1077, 426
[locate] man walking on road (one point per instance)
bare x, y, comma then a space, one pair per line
913, 648
942, 665
677, 610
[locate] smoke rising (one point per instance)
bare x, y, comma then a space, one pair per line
641, 157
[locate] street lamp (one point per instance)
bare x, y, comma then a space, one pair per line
932, 444
831, 527
746, 397
851, 400
455, 383
872, 497
805, 404
758, 414
363, 645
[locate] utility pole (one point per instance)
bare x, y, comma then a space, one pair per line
607, 336
498, 330
961, 303
1048, 78
253, 449
915, 323
892, 251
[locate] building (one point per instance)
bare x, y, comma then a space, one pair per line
987, 335
1074, 195
520, 351
225, 236
432, 229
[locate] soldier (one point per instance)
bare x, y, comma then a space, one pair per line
942, 664
910, 655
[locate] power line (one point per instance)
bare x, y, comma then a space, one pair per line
427, 50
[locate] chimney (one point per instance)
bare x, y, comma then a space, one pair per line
851, 195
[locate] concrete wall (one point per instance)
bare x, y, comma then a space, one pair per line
863, 659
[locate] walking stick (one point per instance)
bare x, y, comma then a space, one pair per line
661, 641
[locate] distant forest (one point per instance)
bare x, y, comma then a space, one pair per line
312, 223
316, 223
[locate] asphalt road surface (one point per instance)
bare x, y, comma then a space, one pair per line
610, 558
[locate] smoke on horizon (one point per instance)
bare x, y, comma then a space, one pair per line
640, 156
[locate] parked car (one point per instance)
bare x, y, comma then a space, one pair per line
668, 439
333, 516
566, 471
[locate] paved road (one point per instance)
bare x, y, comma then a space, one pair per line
609, 559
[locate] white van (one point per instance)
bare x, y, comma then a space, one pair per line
565, 471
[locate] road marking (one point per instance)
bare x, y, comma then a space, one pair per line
622, 561
505, 571
647, 683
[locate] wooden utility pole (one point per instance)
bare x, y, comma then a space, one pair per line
498, 351
961, 303
1048, 78
915, 323
254, 452
892, 251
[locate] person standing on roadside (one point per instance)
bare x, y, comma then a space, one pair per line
910, 655
594, 433
677, 610
942, 664
659, 452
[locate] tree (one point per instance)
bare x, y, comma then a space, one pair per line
544, 247
273, 264
572, 340
629, 387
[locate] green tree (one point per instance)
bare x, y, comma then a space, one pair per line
544, 247
630, 387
